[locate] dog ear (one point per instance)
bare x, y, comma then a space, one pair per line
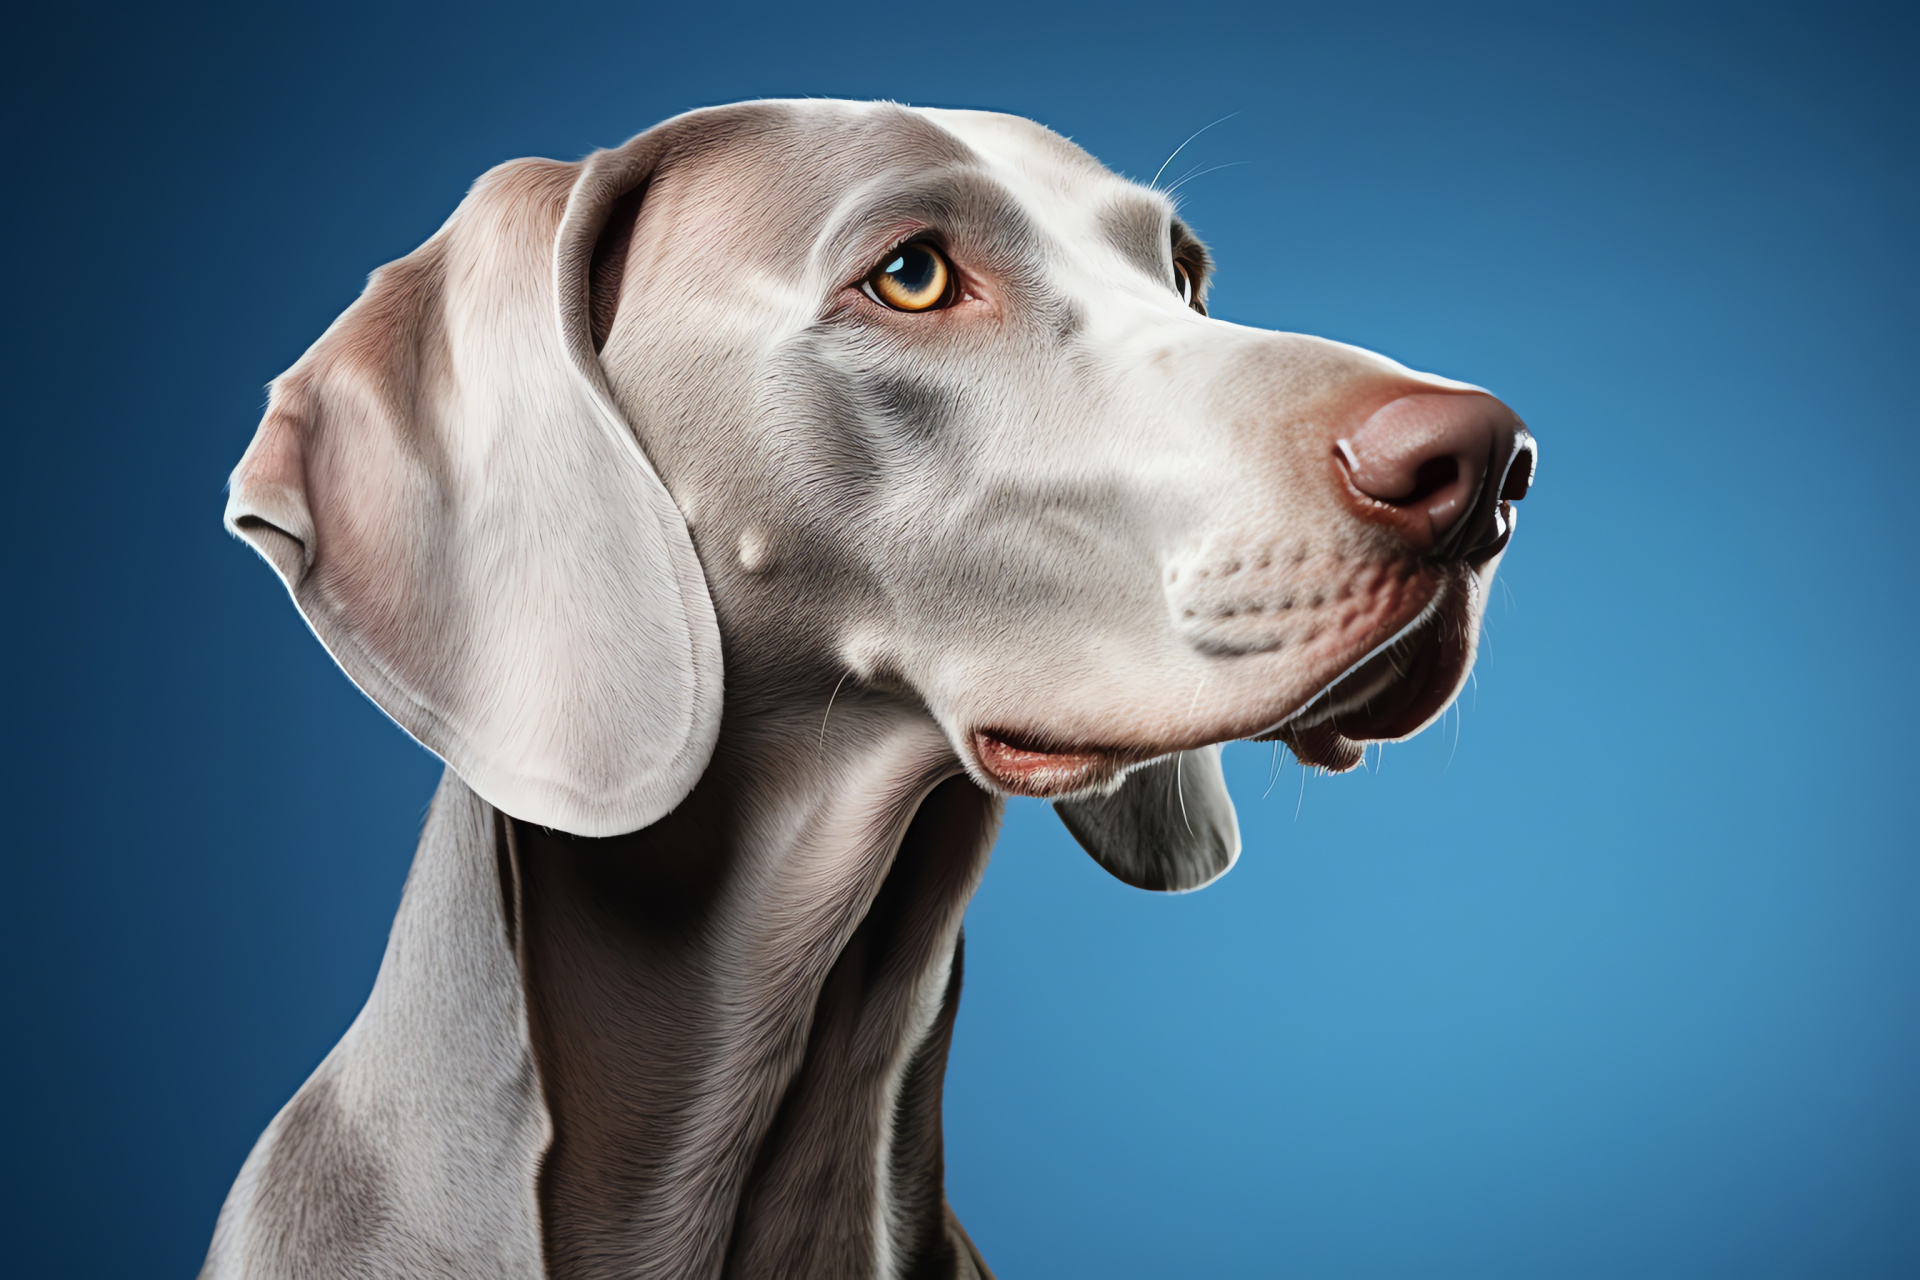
1170, 826
472, 530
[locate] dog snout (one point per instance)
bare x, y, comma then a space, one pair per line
1442, 469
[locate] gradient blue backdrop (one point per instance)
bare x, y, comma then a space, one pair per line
1615, 973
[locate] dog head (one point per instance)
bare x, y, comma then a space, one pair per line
926, 399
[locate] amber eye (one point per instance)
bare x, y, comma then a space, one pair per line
914, 277
1183, 282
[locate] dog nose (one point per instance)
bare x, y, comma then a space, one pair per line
1443, 469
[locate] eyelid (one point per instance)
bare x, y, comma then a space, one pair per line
1194, 275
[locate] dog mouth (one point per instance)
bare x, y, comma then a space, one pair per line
1393, 692
1028, 766
1389, 693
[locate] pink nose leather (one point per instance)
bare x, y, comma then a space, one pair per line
1445, 467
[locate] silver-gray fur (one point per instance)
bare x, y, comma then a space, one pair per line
415, 1146
671, 987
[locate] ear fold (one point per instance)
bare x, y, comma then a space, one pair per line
472, 530
1170, 827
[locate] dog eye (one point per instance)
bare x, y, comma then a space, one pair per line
914, 277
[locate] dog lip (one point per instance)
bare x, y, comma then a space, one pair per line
1029, 766
1423, 666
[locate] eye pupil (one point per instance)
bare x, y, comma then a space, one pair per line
914, 278
914, 269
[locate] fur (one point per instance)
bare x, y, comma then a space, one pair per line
672, 984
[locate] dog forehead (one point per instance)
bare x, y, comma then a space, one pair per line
838, 139
1058, 181
787, 160
1018, 143
785, 176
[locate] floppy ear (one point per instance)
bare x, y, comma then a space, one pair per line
1170, 826
472, 530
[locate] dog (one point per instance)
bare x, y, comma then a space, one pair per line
741, 514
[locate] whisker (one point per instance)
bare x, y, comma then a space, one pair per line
1155, 184
1192, 171
835, 694
1234, 164
1180, 789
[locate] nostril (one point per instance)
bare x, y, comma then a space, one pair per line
1399, 481
1520, 468
1430, 477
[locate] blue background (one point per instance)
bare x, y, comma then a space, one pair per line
1615, 973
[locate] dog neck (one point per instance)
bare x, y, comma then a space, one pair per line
740, 1015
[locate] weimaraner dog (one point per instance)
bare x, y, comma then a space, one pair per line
742, 514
